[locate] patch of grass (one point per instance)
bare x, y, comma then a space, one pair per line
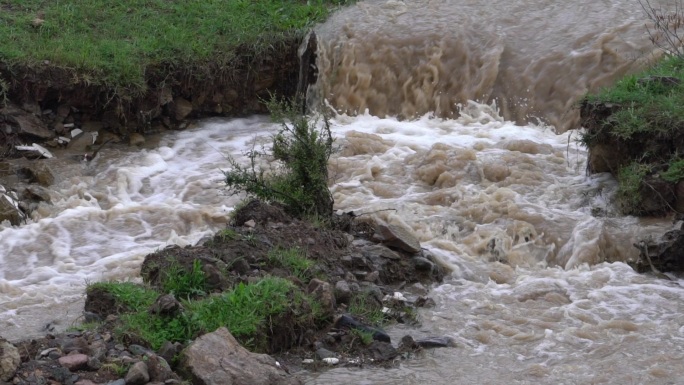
130, 295
227, 234
365, 336
675, 171
362, 305
245, 310
292, 259
183, 283
630, 178
115, 43
650, 102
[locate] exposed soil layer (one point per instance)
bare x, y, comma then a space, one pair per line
172, 94
638, 159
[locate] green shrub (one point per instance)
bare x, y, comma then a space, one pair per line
303, 149
675, 171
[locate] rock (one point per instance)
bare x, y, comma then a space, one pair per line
36, 194
166, 304
217, 359
423, 264
169, 350
408, 344
74, 362
661, 255
159, 369
382, 351
436, 342
136, 139
35, 151
181, 108
137, 374
323, 353
346, 321
39, 172
9, 209
399, 238
9, 360
28, 123
342, 292
323, 292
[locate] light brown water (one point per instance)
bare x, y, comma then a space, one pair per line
539, 293
535, 58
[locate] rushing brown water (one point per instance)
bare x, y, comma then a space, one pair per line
539, 293
535, 58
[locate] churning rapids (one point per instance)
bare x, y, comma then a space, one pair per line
539, 291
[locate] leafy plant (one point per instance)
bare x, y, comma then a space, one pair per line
303, 148
675, 171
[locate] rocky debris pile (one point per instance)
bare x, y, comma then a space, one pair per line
86, 358
362, 271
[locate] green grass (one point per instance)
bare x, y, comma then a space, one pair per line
363, 306
294, 260
185, 284
115, 42
247, 311
647, 107
132, 296
675, 171
630, 177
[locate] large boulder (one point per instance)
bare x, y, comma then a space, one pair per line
9, 360
398, 238
218, 359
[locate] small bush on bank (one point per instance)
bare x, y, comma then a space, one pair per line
303, 148
185, 284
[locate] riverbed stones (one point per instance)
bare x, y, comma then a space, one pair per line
9, 208
9, 359
74, 362
218, 359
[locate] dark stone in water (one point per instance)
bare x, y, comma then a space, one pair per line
346, 321
436, 342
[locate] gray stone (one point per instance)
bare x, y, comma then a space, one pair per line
399, 238
436, 342
9, 210
39, 172
423, 264
27, 122
323, 292
322, 353
181, 108
217, 359
9, 360
159, 369
382, 351
169, 350
137, 374
74, 362
342, 292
